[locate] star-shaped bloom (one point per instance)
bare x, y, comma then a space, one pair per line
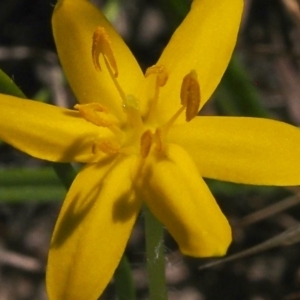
142, 141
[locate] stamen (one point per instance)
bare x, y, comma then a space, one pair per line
165, 128
146, 142
102, 45
190, 95
106, 146
158, 139
161, 79
94, 113
190, 100
160, 72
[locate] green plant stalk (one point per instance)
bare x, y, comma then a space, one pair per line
124, 281
155, 257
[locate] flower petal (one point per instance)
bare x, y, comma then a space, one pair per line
203, 42
48, 132
92, 230
242, 150
74, 22
180, 199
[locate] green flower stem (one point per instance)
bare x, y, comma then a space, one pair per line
124, 281
155, 257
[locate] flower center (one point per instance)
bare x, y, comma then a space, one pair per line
136, 138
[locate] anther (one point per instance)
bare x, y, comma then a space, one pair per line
190, 95
94, 113
160, 72
146, 142
106, 146
102, 45
158, 139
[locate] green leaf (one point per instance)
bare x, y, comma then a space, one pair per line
38, 184
237, 95
7, 86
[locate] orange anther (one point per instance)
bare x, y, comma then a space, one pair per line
190, 95
107, 146
95, 113
160, 72
146, 142
158, 139
102, 45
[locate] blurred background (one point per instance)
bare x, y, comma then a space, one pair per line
262, 80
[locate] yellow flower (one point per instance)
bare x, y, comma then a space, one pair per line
143, 141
